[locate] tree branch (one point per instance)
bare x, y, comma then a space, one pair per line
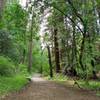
75, 11
69, 19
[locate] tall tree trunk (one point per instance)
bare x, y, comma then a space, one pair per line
93, 70
23, 56
74, 52
31, 21
30, 46
50, 62
30, 54
56, 47
82, 49
24, 50
41, 67
67, 48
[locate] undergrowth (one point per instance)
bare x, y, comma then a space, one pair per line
10, 84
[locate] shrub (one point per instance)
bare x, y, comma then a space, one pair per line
6, 66
23, 69
10, 84
5, 42
8, 47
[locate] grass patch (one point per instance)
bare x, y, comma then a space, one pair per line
93, 85
98, 93
10, 84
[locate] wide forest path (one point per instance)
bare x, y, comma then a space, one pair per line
40, 89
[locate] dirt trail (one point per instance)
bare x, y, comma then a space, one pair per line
40, 89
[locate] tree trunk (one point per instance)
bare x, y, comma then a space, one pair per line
41, 67
50, 62
30, 53
23, 58
93, 70
81, 54
56, 52
74, 52
31, 41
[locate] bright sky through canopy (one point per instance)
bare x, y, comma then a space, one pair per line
23, 2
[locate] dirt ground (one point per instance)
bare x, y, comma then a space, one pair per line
40, 89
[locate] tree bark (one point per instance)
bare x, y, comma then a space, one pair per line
82, 52
56, 52
74, 52
50, 62
31, 41
30, 54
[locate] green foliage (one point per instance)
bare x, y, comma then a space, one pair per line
5, 42
84, 74
93, 85
10, 84
13, 39
14, 19
45, 65
6, 66
39, 60
7, 46
22, 69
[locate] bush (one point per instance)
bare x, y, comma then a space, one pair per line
6, 66
5, 42
8, 47
10, 84
23, 69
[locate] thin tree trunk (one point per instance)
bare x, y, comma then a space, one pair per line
41, 67
82, 49
50, 62
30, 54
31, 41
56, 46
23, 58
93, 70
74, 52
25, 43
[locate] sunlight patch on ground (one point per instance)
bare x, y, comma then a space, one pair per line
70, 82
38, 79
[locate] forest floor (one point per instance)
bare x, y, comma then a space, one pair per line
41, 89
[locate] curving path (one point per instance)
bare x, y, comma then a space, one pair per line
40, 89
